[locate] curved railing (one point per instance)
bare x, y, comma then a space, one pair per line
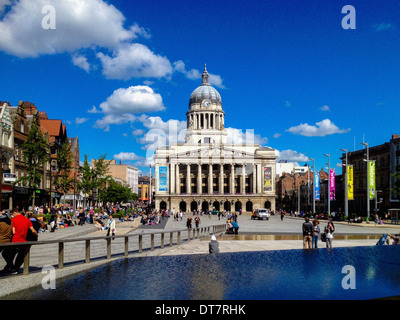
194, 233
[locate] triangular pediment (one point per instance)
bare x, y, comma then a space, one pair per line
214, 151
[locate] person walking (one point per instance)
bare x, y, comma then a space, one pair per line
111, 226
307, 233
5, 237
316, 232
20, 227
197, 221
329, 230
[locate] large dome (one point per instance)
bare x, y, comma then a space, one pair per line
205, 91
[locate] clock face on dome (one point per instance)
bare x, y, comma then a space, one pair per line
206, 103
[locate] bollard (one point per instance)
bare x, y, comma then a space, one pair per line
140, 243
126, 246
178, 241
60, 255
162, 240
87, 251
170, 239
152, 242
108, 248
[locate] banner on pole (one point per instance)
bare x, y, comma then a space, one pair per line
332, 184
316, 181
372, 183
350, 182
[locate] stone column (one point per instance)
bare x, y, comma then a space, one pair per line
178, 183
171, 174
260, 181
243, 186
232, 179
199, 180
188, 180
210, 179
221, 179
254, 191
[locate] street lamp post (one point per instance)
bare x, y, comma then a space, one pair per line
313, 160
329, 182
368, 210
346, 199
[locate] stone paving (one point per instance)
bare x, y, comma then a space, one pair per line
290, 227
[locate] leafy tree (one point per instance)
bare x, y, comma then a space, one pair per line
35, 153
396, 184
63, 181
86, 183
116, 192
101, 175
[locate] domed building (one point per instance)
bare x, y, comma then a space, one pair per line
206, 172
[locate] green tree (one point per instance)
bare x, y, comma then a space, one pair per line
35, 153
101, 177
63, 181
86, 183
116, 192
396, 184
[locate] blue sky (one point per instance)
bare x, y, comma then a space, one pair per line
119, 72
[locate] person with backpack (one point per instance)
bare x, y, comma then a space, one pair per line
329, 230
307, 233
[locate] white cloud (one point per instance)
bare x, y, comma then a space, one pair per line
3, 5
80, 120
321, 129
160, 133
277, 135
290, 156
79, 24
116, 119
135, 99
325, 108
134, 60
93, 110
237, 136
382, 26
195, 74
138, 132
126, 156
81, 62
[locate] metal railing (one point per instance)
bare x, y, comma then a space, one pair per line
194, 233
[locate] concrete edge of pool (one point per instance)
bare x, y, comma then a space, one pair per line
228, 243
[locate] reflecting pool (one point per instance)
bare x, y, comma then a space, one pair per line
261, 275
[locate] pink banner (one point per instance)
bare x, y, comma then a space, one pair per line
332, 184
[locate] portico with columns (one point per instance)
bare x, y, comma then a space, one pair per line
206, 172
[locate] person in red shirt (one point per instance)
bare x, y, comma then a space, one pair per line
20, 227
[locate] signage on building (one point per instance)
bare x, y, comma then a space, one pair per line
163, 181
267, 178
9, 177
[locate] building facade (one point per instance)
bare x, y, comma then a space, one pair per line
387, 163
206, 172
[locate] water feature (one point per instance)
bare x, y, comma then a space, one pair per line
261, 275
